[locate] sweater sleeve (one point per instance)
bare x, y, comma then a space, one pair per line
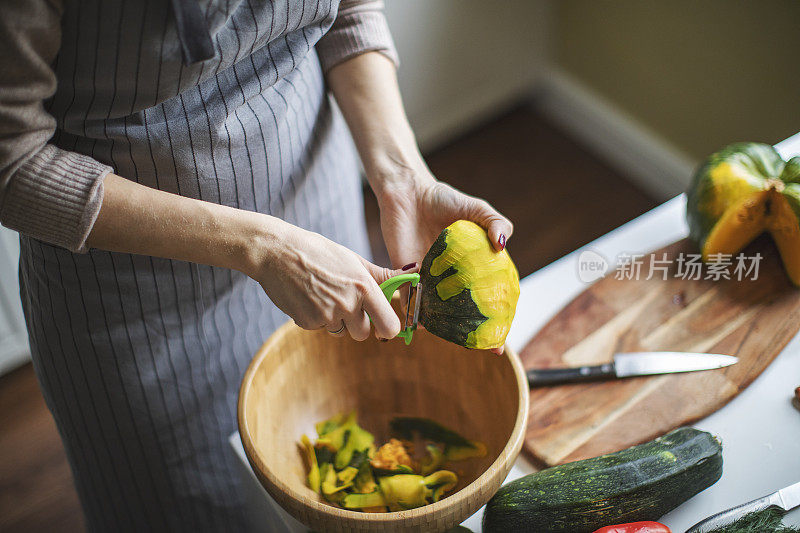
45, 192
360, 27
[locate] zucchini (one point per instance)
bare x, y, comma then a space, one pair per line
640, 483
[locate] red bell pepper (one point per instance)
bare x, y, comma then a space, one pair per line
635, 527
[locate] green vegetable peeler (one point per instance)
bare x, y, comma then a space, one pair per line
390, 286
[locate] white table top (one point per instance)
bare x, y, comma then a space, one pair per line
759, 429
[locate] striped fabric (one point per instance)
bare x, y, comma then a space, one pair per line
140, 358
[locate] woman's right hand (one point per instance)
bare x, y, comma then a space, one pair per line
319, 283
322, 284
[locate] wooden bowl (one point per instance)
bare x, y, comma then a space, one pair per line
300, 377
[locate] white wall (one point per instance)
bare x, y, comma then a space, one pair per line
463, 60
13, 337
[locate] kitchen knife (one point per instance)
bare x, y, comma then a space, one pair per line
785, 500
631, 364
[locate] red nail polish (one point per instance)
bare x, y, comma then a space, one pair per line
502, 241
409, 266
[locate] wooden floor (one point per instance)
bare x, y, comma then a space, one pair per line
558, 195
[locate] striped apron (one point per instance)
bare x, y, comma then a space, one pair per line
140, 358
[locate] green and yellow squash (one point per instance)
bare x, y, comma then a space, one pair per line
469, 290
740, 192
346, 470
456, 447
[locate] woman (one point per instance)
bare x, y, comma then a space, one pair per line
159, 161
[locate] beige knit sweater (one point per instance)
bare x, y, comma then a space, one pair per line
53, 194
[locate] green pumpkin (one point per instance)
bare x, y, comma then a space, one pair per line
469, 290
740, 192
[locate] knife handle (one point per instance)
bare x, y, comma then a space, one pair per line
555, 376
733, 514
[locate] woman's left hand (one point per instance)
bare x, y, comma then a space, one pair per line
415, 210
415, 207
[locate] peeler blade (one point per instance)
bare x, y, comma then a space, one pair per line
411, 313
417, 301
408, 307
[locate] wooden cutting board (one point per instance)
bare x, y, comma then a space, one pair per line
751, 319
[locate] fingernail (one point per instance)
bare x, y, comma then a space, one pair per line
502, 241
409, 266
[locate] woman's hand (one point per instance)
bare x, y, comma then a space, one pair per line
321, 284
314, 280
415, 208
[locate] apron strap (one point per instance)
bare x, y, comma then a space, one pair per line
192, 31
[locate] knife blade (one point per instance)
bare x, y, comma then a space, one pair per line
785, 499
631, 364
790, 497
